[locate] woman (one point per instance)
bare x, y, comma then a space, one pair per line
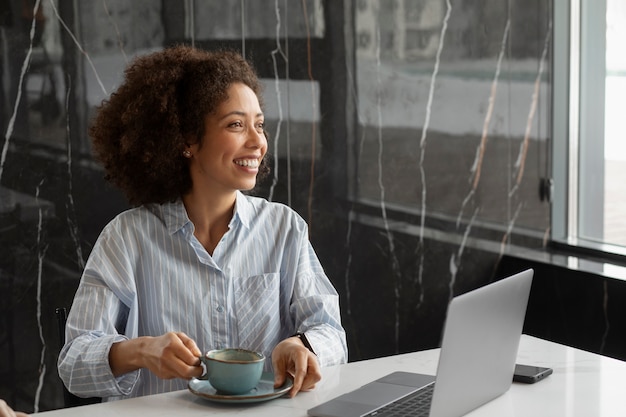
196, 265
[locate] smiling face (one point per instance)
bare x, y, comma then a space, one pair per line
227, 157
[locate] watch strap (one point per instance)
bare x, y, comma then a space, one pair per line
305, 341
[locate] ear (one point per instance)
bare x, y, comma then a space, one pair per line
189, 143
192, 147
192, 142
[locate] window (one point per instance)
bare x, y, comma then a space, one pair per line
589, 155
453, 117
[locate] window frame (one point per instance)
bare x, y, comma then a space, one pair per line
578, 94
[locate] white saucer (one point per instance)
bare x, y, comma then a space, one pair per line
264, 390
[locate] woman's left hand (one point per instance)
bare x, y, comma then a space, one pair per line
291, 357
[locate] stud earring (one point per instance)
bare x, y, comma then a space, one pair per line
187, 154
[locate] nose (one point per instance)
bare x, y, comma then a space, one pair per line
256, 138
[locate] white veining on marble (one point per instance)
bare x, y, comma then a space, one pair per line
383, 208
429, 103
313, 122
352, 213
455, 258
476, 169
116, 28
521, 158
18, 98
71, 208
509, 229
278, 51
348, 298
41, 251
480, 152
466, 200
80, 48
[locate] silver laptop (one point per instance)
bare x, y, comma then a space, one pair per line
476, 363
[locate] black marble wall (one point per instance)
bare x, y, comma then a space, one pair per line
411, 135
576, 301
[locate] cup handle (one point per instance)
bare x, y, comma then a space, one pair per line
204, 376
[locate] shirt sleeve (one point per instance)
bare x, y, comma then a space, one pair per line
315, 305
97, 320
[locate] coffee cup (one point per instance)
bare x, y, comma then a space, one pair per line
233, 371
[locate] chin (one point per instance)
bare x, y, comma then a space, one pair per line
247, 187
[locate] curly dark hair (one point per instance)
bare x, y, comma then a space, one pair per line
140, 132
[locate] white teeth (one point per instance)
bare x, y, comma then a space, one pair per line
250, 163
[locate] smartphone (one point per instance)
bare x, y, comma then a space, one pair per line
529, 374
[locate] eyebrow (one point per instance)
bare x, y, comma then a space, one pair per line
238, 113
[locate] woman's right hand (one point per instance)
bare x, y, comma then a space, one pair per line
172, 355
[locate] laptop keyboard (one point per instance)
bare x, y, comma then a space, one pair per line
415, 404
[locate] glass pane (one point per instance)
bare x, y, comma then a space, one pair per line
456, 130
615, 125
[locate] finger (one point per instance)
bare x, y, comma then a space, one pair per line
176, 360
186, 353
308, 382
307, 389
179, 369
299, 376
193, 371
191, 345
280, 372
314, 374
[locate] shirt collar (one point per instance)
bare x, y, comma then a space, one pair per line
243, 210
175, 216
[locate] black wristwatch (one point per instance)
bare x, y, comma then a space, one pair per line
305, 341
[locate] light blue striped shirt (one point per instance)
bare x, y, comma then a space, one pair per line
147, 275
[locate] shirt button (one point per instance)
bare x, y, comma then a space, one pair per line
220, 309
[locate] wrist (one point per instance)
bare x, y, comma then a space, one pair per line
127, 356
305, 341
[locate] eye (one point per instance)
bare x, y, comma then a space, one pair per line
236, 124
260, 126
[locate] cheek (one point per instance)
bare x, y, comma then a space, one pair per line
264, 144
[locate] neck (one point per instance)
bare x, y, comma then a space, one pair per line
210, 216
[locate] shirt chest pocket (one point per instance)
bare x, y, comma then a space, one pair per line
257, 309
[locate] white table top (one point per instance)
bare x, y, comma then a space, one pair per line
583, 384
